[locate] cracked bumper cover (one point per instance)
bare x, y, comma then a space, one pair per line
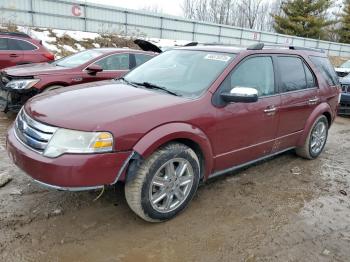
13, 100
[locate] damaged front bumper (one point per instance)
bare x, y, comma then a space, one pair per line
13, 100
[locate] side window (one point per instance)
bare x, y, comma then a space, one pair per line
114, 62
25, 45
13, 45
256, 72
292, 73
3, 44
310, 79
140, 59
326, 69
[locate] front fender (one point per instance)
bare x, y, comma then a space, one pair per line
319, 110
176, 131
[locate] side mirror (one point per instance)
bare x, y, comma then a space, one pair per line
94, 69
241, 95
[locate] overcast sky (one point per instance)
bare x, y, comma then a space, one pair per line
172, 7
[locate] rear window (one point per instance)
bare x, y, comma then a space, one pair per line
23, 45
326, 69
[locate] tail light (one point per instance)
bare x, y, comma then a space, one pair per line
49, 56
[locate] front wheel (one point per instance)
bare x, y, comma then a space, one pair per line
164, 183
316, 140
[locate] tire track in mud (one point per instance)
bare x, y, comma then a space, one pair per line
262, 213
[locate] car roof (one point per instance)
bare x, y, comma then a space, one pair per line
274, 49
15, 34
106, 50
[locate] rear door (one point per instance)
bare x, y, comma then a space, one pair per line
28, 52
299, 97
10, 53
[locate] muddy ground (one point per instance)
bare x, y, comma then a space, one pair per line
285, 209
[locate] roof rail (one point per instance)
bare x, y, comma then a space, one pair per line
260, 46
15, 34
306, 48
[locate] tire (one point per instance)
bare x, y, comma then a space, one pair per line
47, 89
154, 178
307, 151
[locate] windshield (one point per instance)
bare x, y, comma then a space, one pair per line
185, 72
346, 64
77, 59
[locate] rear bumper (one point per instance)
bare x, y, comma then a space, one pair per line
68, 172
344, 106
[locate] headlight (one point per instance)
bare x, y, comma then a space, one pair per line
22, 84
78, 142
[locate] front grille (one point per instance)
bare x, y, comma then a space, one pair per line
345, 88
342, 74
33, 134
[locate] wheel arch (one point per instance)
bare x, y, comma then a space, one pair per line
184, 133
321, 109
58, 83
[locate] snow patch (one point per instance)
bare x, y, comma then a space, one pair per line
76, 35
79, 47
69, 48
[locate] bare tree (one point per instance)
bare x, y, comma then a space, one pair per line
152, 9
254, 14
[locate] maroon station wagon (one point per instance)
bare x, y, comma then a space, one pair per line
19, 83
18, 48
184, 116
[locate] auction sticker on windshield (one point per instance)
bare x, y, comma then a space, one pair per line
223, 58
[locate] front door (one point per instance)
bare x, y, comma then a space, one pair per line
114, 66
246, 131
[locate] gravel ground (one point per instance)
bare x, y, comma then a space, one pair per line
284, 209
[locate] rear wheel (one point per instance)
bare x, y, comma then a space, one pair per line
316, 139
164, 184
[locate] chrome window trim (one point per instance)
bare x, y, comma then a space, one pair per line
36, 47
300, 90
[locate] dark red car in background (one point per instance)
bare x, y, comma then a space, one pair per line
20, 48
20, 83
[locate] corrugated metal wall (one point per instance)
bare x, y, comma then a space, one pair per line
77, 15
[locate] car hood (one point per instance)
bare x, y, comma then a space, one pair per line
342, 70
96, 106
35, 69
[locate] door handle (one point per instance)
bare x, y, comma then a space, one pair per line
313, 101
270, 110
14, 55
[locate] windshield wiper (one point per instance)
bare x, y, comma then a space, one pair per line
154, 86
127, 81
